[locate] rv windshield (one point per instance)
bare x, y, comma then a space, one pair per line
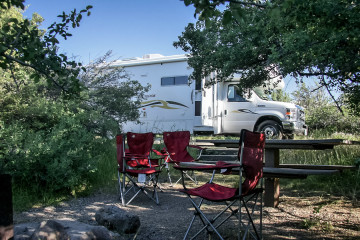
261, 94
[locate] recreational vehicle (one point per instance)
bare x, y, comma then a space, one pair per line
175, 103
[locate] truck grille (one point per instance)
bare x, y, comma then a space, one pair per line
301, 115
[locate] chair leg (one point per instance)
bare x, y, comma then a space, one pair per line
203, 218
121, 190
169, 176
188, 176
257, 233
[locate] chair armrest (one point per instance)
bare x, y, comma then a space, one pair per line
199, 148
195, 146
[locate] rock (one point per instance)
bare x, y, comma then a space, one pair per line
118, 220
74, 230
24, 231
50, 230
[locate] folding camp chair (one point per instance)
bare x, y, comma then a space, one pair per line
240, 202
177, 145
135, 170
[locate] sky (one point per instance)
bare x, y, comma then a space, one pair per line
129, 28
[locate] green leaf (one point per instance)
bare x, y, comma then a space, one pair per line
227, 17
187, 2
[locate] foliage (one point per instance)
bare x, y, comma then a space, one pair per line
112, 93
280, 95
23, 43
52, 144
298, 38
49, 143
47, 147
321, 112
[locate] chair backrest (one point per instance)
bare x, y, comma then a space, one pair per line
176, 144
120, 151
140, 143
139, 148
251, 156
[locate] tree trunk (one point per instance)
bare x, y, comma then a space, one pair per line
6, 208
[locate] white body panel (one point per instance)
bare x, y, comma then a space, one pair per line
167, 107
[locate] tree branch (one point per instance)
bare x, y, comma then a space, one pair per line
248, 3
331, 95
35, 68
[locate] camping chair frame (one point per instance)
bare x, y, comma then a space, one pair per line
248, 195
127, 176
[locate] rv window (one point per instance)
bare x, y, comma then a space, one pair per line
167, 81
234, 94
181, 80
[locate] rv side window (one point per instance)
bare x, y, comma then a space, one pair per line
234, 94
181, 80
168, 81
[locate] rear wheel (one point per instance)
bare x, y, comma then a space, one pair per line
271, 129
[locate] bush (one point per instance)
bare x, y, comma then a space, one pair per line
52, 160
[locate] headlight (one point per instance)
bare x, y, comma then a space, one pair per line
291, 113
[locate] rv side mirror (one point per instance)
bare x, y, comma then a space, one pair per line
248, 95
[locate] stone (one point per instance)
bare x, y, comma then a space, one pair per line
50, 230
118, 220
74, 229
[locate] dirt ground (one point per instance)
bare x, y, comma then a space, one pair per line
313, 216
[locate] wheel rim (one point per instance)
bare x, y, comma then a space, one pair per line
270, 132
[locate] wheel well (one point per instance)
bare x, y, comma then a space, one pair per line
264, 118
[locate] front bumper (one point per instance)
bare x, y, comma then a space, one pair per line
295, 128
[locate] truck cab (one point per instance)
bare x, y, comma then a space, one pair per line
234, 109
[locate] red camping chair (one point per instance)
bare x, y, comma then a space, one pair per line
176, 148
247, 194
137, 168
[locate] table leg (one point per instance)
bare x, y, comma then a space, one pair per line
272, 186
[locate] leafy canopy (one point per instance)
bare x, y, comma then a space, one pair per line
299, 38
23, 43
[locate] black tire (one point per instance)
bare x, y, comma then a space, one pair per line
271, 129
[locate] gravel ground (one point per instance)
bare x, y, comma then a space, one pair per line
296, 217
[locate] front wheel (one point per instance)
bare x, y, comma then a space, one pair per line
271, 129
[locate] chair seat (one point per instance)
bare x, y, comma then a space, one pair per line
213, 192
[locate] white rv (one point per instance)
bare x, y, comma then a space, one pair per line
174, 103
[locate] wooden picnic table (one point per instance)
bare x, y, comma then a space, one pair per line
273, 170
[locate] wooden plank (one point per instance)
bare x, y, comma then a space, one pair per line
318, 167
283, 172
315, 144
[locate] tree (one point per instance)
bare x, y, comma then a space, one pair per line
112, 93
317, 38
23, 43
280, 95
50, 143
53, 144
321, 111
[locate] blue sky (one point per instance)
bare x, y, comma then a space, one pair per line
130, 28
